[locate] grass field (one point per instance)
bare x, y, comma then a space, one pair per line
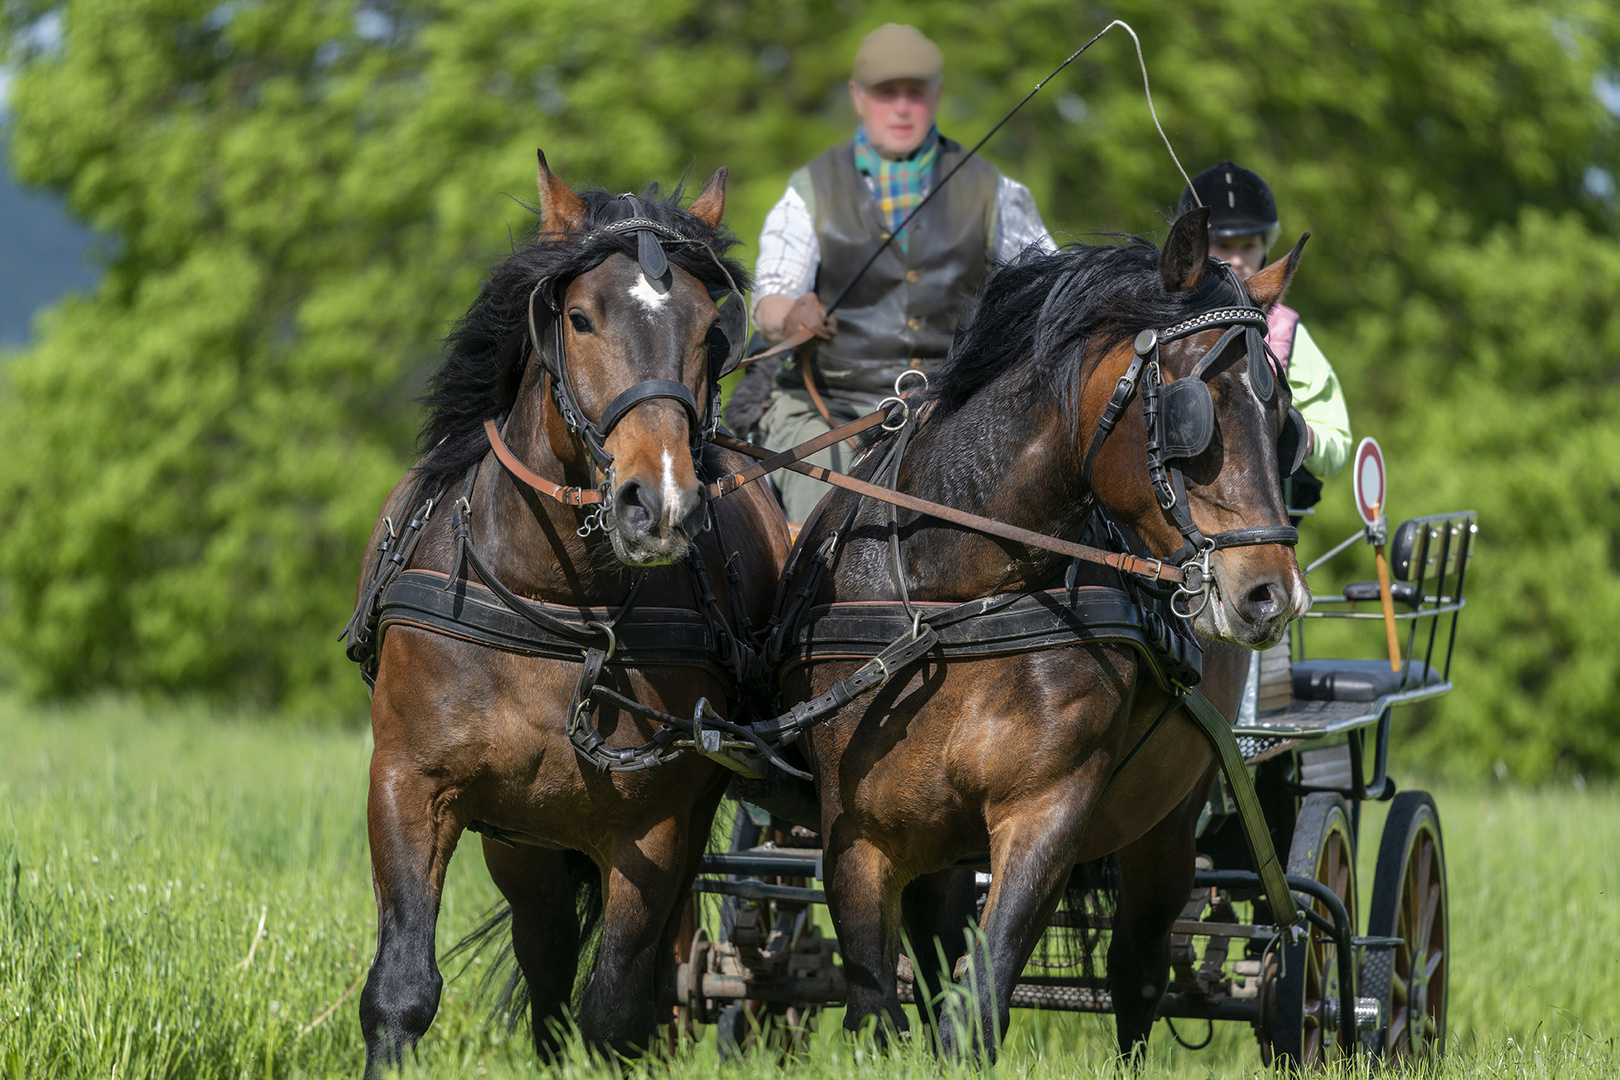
183, 895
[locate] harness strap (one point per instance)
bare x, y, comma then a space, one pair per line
1218, 730
770, 460
568, 496
785, 729
1153, 569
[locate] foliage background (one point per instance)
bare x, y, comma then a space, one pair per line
300, 196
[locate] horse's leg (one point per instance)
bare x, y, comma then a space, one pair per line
864, 902
413, 834
1155, 879
938, 910
543, 888
644, 883
1032, 853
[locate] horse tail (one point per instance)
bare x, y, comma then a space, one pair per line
1090, 896
502, 984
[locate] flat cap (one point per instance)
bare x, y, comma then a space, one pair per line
895, 51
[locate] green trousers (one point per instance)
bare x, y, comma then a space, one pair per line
792, 419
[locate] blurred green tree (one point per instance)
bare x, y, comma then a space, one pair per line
304, 193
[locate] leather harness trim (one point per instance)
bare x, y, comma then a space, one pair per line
1005, 625
644, 636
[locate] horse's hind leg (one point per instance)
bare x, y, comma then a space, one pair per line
865, 908
554, 896
413, 835
938, 910
1155, 879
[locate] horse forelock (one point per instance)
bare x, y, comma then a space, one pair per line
486, 349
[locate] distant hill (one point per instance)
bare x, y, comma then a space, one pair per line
44, 253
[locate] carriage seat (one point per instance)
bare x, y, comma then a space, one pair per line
1402, 592
1357, 680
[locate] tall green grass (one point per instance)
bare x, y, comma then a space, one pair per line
186, 895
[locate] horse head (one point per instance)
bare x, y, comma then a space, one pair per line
630, 352
1207, 493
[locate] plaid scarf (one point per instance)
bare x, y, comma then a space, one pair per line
898, 185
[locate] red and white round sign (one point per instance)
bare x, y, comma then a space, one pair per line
1368, 475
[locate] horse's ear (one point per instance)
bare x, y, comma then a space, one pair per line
1266, 287
711, 201
1181, 264
561, 210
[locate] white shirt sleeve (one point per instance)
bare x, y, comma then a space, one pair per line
789, 252
1018, 222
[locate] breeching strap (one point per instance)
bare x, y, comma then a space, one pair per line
1218, 730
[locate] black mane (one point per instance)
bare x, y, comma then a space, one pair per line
1039, 317
485, 353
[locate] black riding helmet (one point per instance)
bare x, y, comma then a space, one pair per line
1240, 203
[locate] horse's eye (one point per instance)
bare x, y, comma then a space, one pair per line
582, 325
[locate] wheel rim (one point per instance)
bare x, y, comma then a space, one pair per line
1293, 1026
1335, 870
1418, 984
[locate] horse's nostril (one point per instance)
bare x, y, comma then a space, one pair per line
636, 506
692, 524
1264, 601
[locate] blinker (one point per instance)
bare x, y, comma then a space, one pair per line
1186, 419
1291, 443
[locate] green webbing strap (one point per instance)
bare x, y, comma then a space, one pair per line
1218, 730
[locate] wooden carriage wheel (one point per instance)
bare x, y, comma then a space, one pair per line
1409, 901
1297, 1024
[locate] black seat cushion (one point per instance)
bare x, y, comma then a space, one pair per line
1402, 592
1357, 680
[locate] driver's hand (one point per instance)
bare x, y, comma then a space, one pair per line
808, 314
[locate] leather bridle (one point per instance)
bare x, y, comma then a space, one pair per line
727, 339
1179, 417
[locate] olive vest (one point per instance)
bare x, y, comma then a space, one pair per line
903, 312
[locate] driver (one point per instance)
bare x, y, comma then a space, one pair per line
1242, 227
902, 312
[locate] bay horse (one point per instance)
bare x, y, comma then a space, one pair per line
1013, 758
549, 601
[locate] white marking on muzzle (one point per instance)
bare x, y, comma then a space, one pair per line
672, 493
650, 298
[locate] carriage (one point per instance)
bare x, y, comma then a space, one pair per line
1314, 733
574, 647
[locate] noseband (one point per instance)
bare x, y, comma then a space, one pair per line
1180, 419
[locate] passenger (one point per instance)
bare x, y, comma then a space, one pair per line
902, 312
1242, 227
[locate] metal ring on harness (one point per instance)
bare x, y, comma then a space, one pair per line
1197, 580
613, 641
900, 380
905, 413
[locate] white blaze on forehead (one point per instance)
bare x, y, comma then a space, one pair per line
672, 493
644, 291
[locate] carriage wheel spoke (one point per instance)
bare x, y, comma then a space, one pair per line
1425, 928
1436, 958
